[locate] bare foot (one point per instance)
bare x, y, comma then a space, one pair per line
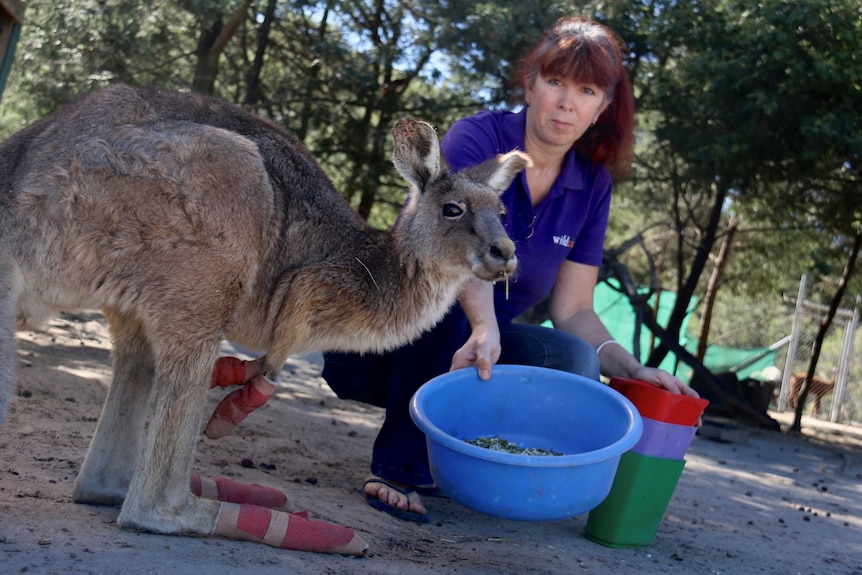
395, 494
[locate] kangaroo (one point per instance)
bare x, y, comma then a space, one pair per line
187, 221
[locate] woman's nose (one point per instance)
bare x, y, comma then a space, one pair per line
567, 101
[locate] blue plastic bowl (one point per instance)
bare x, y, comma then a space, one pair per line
589, 423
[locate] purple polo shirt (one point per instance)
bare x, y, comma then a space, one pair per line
570, 223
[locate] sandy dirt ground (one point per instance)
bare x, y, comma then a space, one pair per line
749, 501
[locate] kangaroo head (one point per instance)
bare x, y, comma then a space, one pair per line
454, 218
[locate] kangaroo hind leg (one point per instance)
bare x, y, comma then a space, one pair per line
111, 459
159, 499
9, 289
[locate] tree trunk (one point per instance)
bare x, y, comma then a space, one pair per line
211, 44
253, 91
310, 85
377, 160
714, 284
686, 292
824, 326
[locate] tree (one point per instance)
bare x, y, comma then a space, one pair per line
734, 139
213, 39
852, 256
71, 47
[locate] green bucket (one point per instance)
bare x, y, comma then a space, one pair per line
633, 510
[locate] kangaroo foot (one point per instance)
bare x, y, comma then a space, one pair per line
236, 406
224, 489
286, 530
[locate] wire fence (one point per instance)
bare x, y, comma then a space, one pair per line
835, 393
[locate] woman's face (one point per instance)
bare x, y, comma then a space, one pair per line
561, 110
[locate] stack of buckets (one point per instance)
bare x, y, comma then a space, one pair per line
648, 473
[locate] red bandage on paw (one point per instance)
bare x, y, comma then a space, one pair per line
286, 530
233, 371
236, 406
224, 489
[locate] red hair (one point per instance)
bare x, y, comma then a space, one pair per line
583, 50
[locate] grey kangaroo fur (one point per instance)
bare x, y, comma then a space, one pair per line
187, 221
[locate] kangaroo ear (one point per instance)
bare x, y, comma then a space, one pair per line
417, 152
497, 173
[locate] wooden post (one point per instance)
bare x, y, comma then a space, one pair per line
11, 18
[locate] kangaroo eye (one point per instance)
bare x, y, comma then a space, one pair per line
452, 210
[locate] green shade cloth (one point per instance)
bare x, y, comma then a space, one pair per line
616, 312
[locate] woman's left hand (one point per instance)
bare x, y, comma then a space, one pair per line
664, 380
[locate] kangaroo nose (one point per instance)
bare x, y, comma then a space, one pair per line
505, 252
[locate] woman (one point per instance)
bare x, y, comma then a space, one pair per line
577, 126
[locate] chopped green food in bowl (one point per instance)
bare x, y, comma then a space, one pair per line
506, 446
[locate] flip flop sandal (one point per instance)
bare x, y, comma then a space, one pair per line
431, 491
402, 514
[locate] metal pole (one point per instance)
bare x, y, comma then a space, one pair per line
844, 363
838, 388
791, 349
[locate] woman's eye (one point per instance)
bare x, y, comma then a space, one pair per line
593, 90
451, 210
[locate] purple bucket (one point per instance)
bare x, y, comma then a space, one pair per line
665, 440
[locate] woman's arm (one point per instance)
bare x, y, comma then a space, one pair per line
482, 349
571, 310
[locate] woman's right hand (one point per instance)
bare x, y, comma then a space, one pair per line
482, 349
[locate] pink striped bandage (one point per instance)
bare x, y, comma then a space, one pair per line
286, 530
236, 406
233, 371
224, 489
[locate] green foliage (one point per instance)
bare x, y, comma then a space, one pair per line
485, 41
71, 47
753, 108
759, 93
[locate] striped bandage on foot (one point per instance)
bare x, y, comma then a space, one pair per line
224, 489
286, 530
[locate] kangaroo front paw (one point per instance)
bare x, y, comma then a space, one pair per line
236, 406
233, 371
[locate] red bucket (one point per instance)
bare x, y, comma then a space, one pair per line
658, 403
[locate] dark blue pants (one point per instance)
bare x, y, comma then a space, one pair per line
390, 380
